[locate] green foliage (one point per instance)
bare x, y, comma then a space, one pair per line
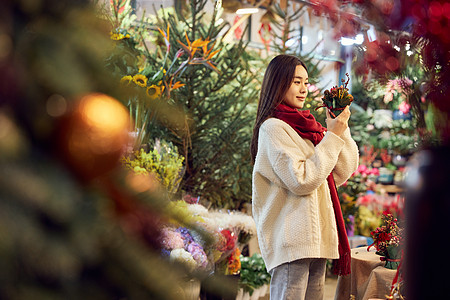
253, 273
399, 143
359, 92
215, 134
348, 195
399, 136
163, 161
359, 123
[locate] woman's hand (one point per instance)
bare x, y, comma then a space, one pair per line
339, 124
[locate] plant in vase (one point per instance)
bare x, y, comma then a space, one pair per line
387, 241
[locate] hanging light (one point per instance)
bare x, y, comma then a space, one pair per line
358, 39
247, 10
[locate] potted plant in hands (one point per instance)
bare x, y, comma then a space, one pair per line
337, 98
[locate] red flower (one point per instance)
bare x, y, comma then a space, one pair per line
384, 237
230, 238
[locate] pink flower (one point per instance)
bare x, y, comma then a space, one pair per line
365, 200
375, 171
404, 107
362, 169
408, 81
170, 239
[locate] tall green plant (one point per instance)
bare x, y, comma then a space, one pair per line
219, 102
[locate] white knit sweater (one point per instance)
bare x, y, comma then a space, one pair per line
291, 201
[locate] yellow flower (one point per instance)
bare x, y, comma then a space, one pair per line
119, 36
126, 79
140, 80
154, 91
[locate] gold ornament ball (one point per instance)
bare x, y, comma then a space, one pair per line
94, 135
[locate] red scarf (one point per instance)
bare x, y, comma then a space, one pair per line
304, 123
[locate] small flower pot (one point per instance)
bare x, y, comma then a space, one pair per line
386, 176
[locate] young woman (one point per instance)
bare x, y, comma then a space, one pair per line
297, 165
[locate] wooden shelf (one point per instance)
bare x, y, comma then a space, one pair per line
389, 188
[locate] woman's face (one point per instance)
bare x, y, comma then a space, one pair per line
296, 95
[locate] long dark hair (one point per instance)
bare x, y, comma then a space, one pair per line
277, 80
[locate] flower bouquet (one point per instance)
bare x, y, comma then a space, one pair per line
387, 241
337, 98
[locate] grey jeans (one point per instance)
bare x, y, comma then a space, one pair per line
302, 279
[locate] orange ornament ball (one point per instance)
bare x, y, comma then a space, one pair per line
94, 135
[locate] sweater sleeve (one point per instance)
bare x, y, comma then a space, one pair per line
348, 159
297, 165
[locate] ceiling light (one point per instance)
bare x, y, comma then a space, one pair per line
358, 39
247, 10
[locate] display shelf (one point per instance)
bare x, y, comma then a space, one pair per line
389, 188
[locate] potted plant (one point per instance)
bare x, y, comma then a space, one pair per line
386, 175
387, 241
254, 278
